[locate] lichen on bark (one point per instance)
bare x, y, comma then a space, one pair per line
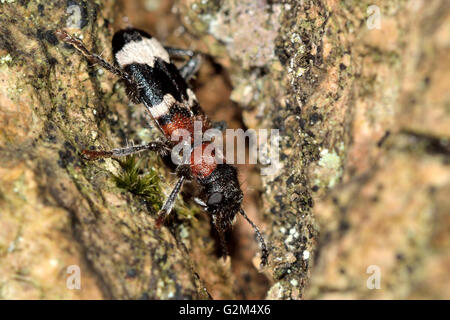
346, 97
57, 209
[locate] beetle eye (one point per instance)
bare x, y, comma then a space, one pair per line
215, 198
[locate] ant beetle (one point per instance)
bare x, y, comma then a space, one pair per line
152, 79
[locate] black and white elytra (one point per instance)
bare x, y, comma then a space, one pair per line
152, 79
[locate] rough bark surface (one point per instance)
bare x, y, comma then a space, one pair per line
364, 174
56, 209
364, 117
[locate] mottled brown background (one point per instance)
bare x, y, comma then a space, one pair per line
364, 179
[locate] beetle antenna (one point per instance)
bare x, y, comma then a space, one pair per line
265, 253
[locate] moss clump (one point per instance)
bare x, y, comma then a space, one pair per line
133, 179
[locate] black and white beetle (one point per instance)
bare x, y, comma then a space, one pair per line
152, 79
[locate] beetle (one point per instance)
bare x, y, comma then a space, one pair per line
152, 79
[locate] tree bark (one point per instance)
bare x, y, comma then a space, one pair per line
356, 89
362, 185
58, 210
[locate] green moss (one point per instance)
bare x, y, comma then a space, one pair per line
145, 185
186, 211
